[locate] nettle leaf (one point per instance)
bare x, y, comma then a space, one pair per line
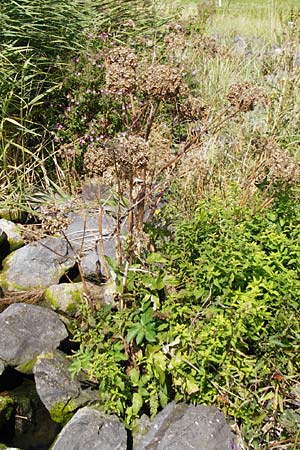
191, 386
140, 336
150, 335
156, 258
147, 316
134, 375
137, 402
133, 332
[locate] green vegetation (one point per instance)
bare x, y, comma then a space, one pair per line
191, 116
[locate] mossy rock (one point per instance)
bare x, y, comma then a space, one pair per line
26, 367
62, 412
6, 409
64, 297
13, 233
13, 215
37, 265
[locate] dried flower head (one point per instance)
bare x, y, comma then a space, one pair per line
54, 217
160, 144
97, 160
277, 166
209, 46
193, 108
121, 65
162, 80
124, 155
131, 154
245, 96
176, 44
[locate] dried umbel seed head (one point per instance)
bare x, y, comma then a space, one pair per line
209, 46
123, 56
193, 108
131, 154
160, 144
263, 145
121, 65
176, 43
54, 217
278, 166
67, 151
162, 81
97, 160
245, 96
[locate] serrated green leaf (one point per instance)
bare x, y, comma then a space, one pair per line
156, 258
132, 333
140, 336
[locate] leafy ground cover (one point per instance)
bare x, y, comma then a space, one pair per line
191, 115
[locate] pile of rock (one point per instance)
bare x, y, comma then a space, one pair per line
32, 341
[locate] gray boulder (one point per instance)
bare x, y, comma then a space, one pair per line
83, 234
14, 234
37, 265
184, 427
64, 297
60, 394
27, 331
90, 430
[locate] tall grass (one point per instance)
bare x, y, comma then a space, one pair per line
37, 43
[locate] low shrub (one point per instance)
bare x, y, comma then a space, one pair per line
212, 318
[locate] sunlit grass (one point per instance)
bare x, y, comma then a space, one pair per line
259, 18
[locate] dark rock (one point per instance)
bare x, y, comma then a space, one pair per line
90, 430
14, 234
4, 245
6, 409
184, 427
27, 331
61, 395
31, 427
37, 265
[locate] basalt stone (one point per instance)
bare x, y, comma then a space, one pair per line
27, 331
14, 235
64, 297
37, 265
60, 393
83, 234
90, 430
4, 244
31, 427
184, 427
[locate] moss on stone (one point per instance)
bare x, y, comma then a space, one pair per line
26, 367
4, 283
62, 412
64, 297
50, 298
6, 408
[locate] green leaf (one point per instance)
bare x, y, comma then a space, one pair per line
150, 335
134, 375
140, 336
156, 258
137, 403
147, 316
132, 333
